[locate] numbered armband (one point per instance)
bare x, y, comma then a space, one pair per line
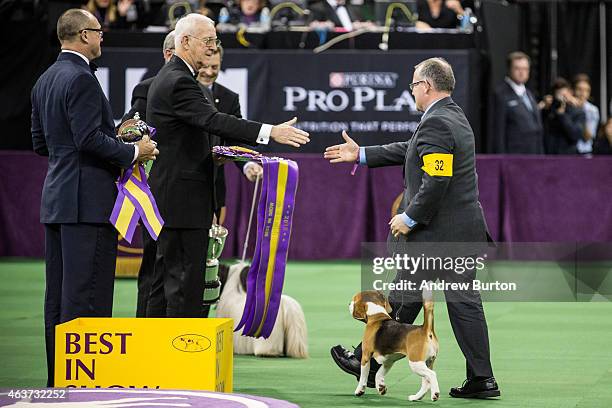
438, 164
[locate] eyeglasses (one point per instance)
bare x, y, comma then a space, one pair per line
98, 30
208, 41
412, 85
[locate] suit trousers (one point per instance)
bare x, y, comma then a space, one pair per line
80, 272
178, 276
466, 316
156, 305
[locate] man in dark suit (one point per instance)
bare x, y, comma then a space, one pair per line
149, 245
516, 123
442, 206
72, 124
335, 11
139, 93
183, 182
226, 101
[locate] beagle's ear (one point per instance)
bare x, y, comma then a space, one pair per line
360, 311
384, 302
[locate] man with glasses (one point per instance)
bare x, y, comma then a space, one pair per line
182, 180
72, 124
441, 197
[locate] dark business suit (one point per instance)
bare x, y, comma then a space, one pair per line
323, 11
72, 124
447, 210
226, 101
149, 246
139, 100
183, 182
514, 129
563, 130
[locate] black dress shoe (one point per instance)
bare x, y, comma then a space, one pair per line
477, 388
348, 363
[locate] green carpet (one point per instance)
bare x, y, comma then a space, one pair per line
544, 354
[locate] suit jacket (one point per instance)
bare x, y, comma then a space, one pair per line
139, 100
446, 208
225, 101
322, 11
182, 177
72, 123
563, 130
514, 128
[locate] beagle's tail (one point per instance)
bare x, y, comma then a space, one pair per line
428, 309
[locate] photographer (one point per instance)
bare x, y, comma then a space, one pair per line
564, 121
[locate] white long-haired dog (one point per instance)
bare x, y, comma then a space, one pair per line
289, 336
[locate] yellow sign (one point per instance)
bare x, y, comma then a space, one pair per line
438, 164
192, 354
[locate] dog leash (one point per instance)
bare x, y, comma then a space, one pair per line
396, 240
246, 238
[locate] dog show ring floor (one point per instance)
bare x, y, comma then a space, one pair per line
544, 354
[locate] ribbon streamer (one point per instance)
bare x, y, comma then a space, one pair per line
135, 202
274, 218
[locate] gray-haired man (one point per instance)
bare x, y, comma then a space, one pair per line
441, 205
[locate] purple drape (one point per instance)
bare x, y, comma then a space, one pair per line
525, 199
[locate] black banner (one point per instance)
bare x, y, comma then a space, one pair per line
365, 93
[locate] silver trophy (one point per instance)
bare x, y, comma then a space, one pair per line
216, 241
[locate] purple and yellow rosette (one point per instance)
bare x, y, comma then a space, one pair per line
135, 202
134, 198
274, 218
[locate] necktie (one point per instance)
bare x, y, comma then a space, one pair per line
93, 67
527, 102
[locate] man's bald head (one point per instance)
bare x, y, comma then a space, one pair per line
71, 22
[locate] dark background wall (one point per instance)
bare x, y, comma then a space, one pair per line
561, 36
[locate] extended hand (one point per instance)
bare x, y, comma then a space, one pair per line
285, 133
147, 149
345, 152
398, 227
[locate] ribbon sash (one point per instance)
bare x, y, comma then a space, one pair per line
135, 202
274, 218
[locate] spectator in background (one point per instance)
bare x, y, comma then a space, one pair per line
112, 14
247, 12
336, 14
603, 142
564, 121
582, 92
515, 125
438, 13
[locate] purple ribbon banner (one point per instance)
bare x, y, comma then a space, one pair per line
274, 218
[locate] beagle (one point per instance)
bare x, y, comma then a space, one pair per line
388, 340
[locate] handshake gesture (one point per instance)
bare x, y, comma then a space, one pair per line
286, 134
347, 152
